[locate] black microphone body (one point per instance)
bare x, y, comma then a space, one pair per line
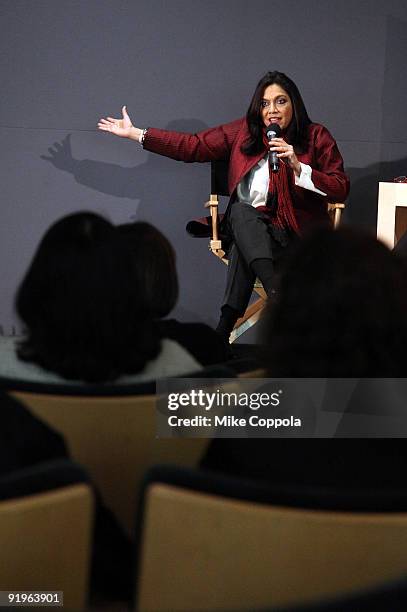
273, 131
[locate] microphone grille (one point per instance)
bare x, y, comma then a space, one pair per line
273, 130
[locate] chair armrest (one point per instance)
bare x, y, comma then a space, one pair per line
215, 244
335, 211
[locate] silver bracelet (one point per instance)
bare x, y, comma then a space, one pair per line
142, 136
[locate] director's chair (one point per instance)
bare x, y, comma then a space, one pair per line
209, 226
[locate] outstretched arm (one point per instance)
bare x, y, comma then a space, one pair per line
207, 145
121, 127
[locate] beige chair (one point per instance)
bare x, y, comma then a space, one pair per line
114, 437
219, 187
207, 544
45, 541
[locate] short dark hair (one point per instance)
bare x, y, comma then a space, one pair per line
341, 309
84, 313
297, 131
155, 265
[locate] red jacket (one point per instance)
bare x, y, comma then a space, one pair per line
224, 142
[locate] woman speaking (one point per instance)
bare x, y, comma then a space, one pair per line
283, 170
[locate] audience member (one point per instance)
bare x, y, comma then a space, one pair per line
157, 277
340, 313
85, 314
341, 309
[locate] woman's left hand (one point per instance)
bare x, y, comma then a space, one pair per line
286, 151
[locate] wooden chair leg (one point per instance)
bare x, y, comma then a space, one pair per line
250, 317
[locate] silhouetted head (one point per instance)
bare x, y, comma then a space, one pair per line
341, 309
84, 313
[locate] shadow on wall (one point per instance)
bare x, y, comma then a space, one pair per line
157, 183
168, 194
137, 182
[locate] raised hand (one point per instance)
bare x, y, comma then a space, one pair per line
120, 127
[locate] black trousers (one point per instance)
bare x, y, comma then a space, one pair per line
251, 240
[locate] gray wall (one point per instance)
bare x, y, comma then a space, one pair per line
182, 64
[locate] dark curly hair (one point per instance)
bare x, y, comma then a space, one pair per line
85, 316
297, 132
341, 310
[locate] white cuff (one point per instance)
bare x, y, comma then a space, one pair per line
305, 180
142, 136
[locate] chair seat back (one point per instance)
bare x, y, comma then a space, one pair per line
205, 551
115, 439
45, 541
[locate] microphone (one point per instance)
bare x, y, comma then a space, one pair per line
273, 131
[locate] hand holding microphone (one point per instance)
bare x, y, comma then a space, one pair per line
279, 148
273, 131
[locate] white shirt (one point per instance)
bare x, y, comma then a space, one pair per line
254, 186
